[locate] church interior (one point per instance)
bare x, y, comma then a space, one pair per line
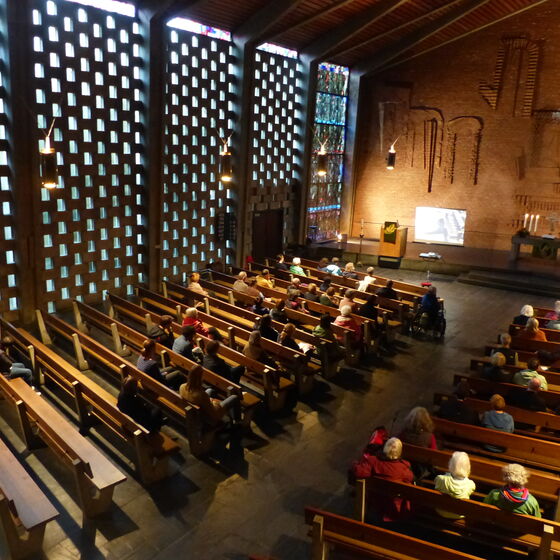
279, 279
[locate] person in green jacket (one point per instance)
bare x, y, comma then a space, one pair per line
514, 496
296, 267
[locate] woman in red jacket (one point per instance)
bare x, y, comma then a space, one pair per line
389, 465
191, 318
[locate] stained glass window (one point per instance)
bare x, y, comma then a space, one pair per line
330, 133
199, 109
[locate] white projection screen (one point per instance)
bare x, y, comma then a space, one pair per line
440, 225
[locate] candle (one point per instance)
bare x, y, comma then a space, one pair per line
537, 223
531, 223
525, 221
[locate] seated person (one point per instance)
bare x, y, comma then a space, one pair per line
295, 286
215, 334
387, 291
322, 265
147, 363
497, 419
346, 320
296, 267
455, 408
287, 339
514, 496
388, 465
293, 302
324, 330
213, 409
430, 303
137, 408
258, 307
526, 313
368, 279
334, 268
312, 294
349, 271
531, 331
510, 355
530, 398
185, 344
264, 326
254, 350
326, 283
277, 312
191, 318
239, 285
456, 483
252, 288
554, 315
495, 370
280, 264
369, 309
194, 284
163, 332
9, 369
263, 279
418, 428
218, 365
525, 375
328, 298
348, 299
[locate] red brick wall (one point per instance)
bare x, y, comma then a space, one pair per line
512, 176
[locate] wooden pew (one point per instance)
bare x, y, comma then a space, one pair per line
552, 335
329, 530
487, 473
24, 509
258, 376
95, 476
93, 404
481, 523
519, 449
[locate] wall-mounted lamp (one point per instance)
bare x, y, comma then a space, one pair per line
392, 156
322, 160
49, 171
226, 169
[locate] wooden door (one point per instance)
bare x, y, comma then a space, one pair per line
268, 231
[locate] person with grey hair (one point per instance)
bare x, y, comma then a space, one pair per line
369, 278
296, 267
386, 464
514, 496
494, 371
509, 354
456, 483
346, 320
526, 312
239, 285
531, 331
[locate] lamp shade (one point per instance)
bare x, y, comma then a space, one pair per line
226, 170
321, 164
49, 172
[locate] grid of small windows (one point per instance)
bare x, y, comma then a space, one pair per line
199, 109
9, 302
276, 127
330, 131
88, 70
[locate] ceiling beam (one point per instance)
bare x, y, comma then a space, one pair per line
398, 28
310, 19
463, 35
332, 38
382, 57
254, 29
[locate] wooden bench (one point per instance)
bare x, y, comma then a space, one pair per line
24, 508
552, 335
481, 523
359, 539
95, 476
93, 404
258, 377
487, 473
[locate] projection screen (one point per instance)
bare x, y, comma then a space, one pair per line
440, 225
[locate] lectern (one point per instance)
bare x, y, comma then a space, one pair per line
392, 244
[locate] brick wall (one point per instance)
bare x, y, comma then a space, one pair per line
519, 141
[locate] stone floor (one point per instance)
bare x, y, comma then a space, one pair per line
249, 498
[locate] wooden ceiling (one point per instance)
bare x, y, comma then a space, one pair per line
366, 35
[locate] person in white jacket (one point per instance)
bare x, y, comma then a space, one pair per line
456, 483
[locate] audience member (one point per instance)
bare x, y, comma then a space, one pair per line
419, 429
295, 286
218, 365
185, 344
263, 279
525, 314
277, 312
348, 299
350, 272
525, 375
296, 267
240, 285
280, 264
514, 496
163, 332
345, 320
147, 361
130, 402
531, 331
387, 291
530, 398
510, 354
293, 301
497, 419
322, 265
215, 334
324, 330
213, 410
388, 465
456, 483
369, 278
369, 309
191, 318
259, 308
555, 314
494, 371
252, 290
312, 294
194, 284
430, 304
334, 268
455, 408
287, 339
264, 326
254, 350
326, 283
328, 298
